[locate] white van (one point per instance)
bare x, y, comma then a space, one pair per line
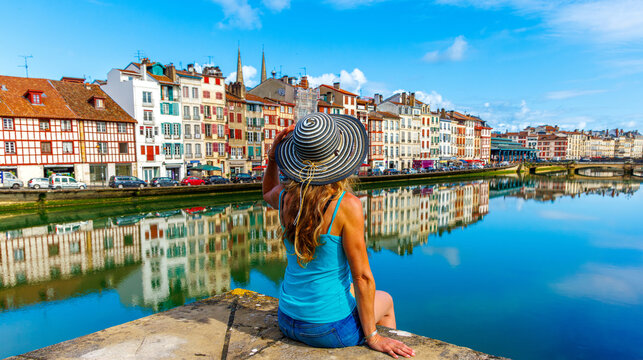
9, 180
58, 182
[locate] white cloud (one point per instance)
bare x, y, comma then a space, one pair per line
238, 14
594, 20
351, 4
568, 94
249, 76
565, 216
352, 81
432, 98
276, 5
455, 52
605, 283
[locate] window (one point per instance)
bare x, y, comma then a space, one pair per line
177, 130
147, 97
65, 125
123, 148
68, 147
101, 126
44, 125
45, 147
188, 133
147, 115
188, 149
196, 112
208, 149
102, 147
7, 124
219, 95
197, 131
122, 128
10, 147
167, 129
197, 150
186, 112
195, 93
220, 131
186, 92
206, 94
219, 113
99, 103
208, 129
149, 133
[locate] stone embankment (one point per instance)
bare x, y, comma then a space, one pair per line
237, 325
25, 199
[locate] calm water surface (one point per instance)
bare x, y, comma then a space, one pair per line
539, 268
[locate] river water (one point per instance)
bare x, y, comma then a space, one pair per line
533, 268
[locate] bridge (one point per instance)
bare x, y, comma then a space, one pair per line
628, 168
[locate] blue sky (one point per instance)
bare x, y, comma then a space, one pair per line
578, 64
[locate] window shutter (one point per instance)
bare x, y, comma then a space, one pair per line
156, 148
206, 79
179, 132
142, 150
202, 127
244, 151
181, 149
201, 108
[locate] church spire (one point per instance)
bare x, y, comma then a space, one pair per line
239, 68
263, 66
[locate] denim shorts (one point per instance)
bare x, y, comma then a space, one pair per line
342, 333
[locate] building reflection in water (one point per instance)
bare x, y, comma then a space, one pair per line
164, 259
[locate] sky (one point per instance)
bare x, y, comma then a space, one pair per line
573, 63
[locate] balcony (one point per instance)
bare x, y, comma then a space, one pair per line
197, 136
198, 155
148, 104
188, 155
196, 117
188, 136
167, 136
186, 116
149, 140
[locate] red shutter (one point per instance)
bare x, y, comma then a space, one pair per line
238, 134
225, 111
201, 106
238, 117
227, 148
142, 150
226, 128
244, 151
157, 150
203, 128
218, 81
206, 79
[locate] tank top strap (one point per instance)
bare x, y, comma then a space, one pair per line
332, 220
281, 193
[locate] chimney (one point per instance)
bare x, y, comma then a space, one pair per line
336, 85
403, 98
377, 99
191, 68
143, 70
412, 99
304, 82
274, 74
171, 72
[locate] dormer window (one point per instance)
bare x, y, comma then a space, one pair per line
99, 102
34, 97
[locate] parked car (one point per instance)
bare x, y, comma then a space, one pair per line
216, 179
391, 171
413, 171
126, 181
38, 183
163, 181
192, 180
504, 163
65, 182
9, 180
376, 172
242, 178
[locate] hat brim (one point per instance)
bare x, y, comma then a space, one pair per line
345, 162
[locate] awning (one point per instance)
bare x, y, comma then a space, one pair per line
205, 167
258, 168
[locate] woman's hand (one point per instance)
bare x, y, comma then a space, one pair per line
389, 346
278, 138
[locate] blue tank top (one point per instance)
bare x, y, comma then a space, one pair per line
319, 292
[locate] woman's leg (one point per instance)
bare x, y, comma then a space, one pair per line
384, 309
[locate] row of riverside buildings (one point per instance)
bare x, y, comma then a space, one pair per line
149, 120
552, 143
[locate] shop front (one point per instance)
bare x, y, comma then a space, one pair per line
67, 170
173, 171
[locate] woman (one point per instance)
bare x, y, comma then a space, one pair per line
323, 228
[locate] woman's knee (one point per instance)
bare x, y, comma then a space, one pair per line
386, 298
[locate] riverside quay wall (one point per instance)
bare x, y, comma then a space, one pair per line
11, 199
239, 324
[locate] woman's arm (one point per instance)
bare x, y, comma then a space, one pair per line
364, 283
271, 185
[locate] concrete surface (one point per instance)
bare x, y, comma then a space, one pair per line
237, 325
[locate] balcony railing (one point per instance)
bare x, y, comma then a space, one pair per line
188, 136
198, 155
148, 120
197, 136
188, 155
148, 104
149, 140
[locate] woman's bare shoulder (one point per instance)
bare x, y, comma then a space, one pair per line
351, 205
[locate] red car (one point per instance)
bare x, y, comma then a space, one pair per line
192, 180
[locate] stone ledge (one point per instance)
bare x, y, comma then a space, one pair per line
239, 324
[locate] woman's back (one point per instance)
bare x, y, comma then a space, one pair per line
318, 292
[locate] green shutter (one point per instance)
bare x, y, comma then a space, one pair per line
179, 134
181, 150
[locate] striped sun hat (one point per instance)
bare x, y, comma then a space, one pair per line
323, 149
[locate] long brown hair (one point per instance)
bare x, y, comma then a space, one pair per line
305, 235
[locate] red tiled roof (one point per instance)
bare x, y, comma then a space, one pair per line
14, 103
230, 97
326, 104
252, 97
338, 90
187, 73
79, 98
162, 79
388, 114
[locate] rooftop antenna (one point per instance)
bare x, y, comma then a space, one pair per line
210, 59
305, 72
279, 70
26, 65
139, 55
